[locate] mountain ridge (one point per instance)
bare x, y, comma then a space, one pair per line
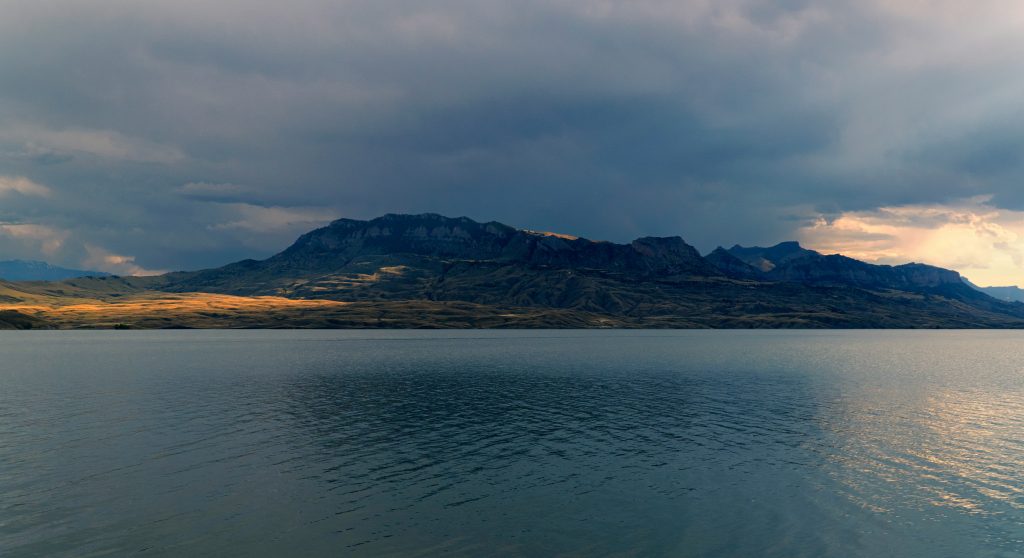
1011, 293
33, 270
427, 270
788, 261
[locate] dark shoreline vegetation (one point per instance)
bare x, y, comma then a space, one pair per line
429, 271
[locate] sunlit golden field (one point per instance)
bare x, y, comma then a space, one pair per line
92, 303
180, 310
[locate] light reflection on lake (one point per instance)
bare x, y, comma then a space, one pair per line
695, 443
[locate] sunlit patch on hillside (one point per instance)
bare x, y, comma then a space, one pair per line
554, 234
334, 283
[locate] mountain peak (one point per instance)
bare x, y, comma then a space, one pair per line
732, 266
767, 259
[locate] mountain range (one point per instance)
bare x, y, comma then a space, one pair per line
1009, 294
27, 270
434, 271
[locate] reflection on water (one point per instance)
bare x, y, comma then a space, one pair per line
512, 443
953, 452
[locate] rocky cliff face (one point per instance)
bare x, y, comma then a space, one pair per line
435, 236
836, 269
427, 235
921, 275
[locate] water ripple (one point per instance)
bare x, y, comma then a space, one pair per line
512, 443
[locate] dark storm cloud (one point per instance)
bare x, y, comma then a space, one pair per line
187, 134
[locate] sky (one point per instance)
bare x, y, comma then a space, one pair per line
139, 137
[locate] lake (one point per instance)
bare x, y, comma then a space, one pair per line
512, 443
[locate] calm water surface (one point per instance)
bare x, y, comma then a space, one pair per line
599, 443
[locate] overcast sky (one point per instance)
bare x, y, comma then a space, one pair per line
146, 136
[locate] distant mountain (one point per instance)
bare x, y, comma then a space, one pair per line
767, 259
789, 262
1009, 294
24, 270
399, 255
398, 260
734, 267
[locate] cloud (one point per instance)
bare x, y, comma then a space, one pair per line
982, 242
107, 144
40, 238
213, 192
29, 151
254, 218
34, 241
723, 121
101, 259
23, 186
